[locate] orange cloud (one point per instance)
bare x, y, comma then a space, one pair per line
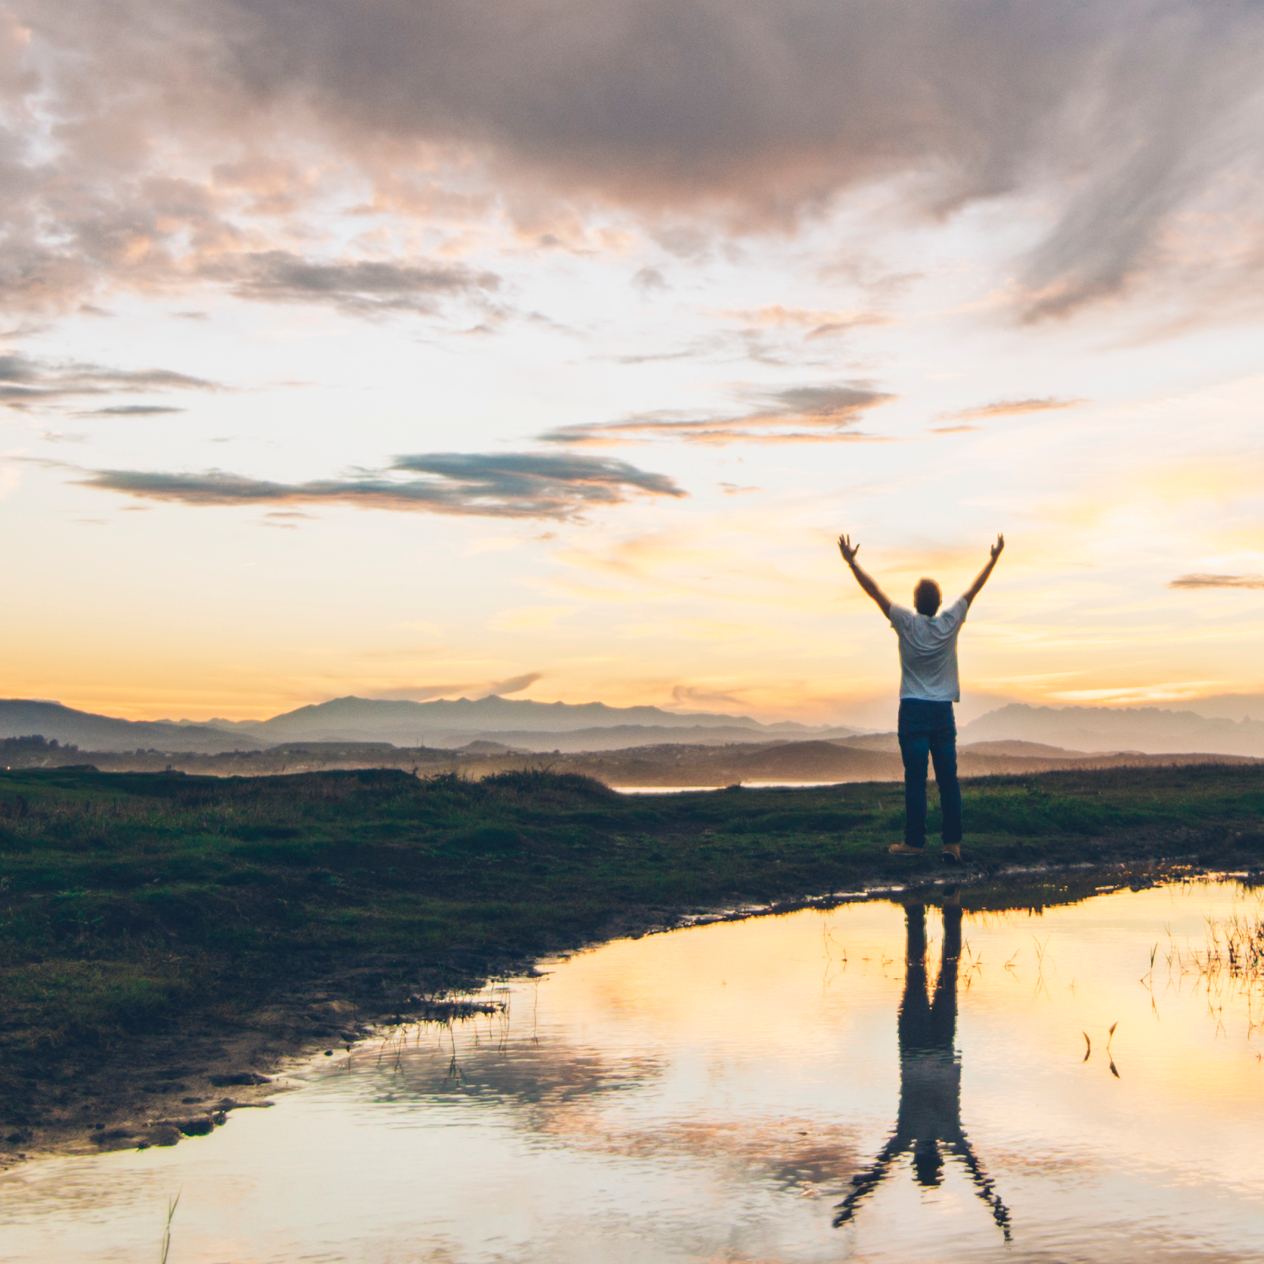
1217, 581
1012, 408
819, 323
800, 414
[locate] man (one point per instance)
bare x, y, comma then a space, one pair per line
928, 688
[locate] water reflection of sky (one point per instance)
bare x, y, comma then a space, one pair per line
713, 1094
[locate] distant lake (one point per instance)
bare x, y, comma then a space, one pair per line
871, 1083
746, 785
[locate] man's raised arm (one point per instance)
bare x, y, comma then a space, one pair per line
982, 578
866, 581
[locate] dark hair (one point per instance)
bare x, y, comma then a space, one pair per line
926, 597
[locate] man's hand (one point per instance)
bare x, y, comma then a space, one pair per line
849, 551
982, 578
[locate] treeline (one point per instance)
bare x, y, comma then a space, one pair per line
36, 743
36, 752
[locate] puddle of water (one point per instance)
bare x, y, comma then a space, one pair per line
790, 1089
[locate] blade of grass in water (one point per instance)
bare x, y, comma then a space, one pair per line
166, 1237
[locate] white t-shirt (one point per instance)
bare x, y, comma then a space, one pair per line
928, 651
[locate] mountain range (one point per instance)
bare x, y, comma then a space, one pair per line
1149, 729
528, 725
594, 726
447, 723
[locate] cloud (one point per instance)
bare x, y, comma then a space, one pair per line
693, 696
507, 485
818, 323
655, 357
798, 414
133, 410
1217, 581
650, 279
484, 689
359, 286
1012, 408
26, 382
142, 141
515, 684
1174, 691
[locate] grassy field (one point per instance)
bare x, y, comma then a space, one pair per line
135, 904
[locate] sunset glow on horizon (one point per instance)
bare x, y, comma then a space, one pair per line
545, 349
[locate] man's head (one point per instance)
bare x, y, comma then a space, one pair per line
926, 597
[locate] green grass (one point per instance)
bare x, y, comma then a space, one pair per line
130, 902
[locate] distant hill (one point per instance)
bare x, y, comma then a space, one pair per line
624, 736
1148, 729
1021, 750
816, 762
886, 742
21, 717
517, 721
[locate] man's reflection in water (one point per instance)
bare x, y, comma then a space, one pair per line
929, 1120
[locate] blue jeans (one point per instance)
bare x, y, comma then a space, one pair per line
927, 729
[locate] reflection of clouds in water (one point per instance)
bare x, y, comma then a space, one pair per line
556, 1091
789, 1151
521, 1071
1045, 1162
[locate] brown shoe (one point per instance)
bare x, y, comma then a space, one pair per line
952, 853
903, 849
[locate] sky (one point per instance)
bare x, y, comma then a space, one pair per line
419, 350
